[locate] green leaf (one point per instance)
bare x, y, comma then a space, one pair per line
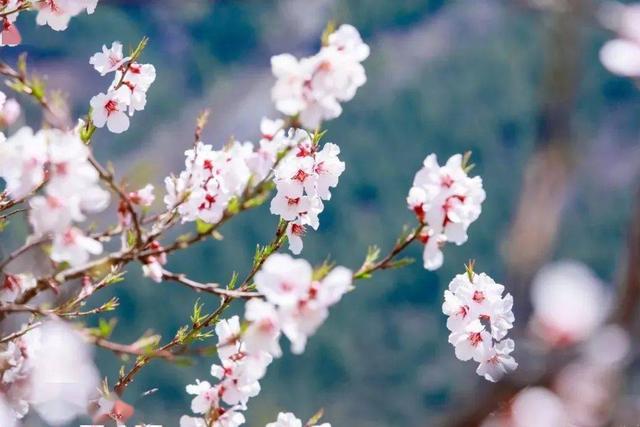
315, 418
328, 30
234, 280
196, 314
323, 269
469, 269
203, 227
104, 329
131, 238
399, 263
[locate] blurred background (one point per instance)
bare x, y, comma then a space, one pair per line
553, 134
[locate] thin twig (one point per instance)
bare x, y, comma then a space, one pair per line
212, 288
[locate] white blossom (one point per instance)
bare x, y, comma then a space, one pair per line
206, 397
211, 179
74, 247
312, 88
9, 112
22, 159
134, 85
288, 419
57, 13
109, 60
9, 34
303, 180
228, 333
51, 369
144, 196
447, 201
479, 318
109, 109
302, 303
497, 361
263, 332
284, 281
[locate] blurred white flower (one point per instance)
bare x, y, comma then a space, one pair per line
537, 406
57, 13
74, 247
22, 159
569, 303
622, 55
9, 112
63, 379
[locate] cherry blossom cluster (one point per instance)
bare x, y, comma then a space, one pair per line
446, 200
288, 419
54, 13
295, 305
237, 375
303, 180
59, 161
622, 55
210, 180
312, 88
479, 320
127, 93
50, 368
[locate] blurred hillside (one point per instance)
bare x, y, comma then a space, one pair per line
444, 77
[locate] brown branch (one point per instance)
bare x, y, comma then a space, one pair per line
210, 319
22, 249
130, 349
629, 291
108, 178
20, 333
386, 262
212, 288
28, 88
